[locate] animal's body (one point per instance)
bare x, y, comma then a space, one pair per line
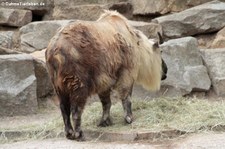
94, 57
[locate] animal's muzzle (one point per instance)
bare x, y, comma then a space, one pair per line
164, 70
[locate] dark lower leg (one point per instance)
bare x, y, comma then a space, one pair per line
127, 110
65, 110
76, 115
125, 95
106, 105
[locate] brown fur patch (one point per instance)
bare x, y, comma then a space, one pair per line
95, 52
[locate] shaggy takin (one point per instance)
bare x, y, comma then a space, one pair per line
95, 57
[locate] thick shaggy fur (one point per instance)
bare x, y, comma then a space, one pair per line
86, 58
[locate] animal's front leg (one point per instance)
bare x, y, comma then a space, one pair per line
127, 109
106, 105
124, 88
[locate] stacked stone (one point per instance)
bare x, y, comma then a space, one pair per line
194, 49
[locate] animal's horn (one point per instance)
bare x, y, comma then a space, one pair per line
160, 38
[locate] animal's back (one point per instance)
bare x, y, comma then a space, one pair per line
86, 54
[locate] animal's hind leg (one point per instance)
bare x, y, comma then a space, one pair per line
76, 115
77, 105
65, 110
106, 105
124, 88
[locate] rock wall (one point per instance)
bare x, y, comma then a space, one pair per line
194, 34
18, 85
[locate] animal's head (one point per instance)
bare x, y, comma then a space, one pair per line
157, 49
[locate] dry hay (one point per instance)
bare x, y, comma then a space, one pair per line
186, 115
181, 114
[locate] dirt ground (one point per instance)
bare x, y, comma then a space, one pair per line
199, 141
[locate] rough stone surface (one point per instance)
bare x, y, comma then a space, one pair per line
145, 7
15, 17
180, 5
38, 6
205, 18
4, 51
198, 2
219, 41
149, 29
6, 39
205, 40
197, 78
36, 35
186, 72
81, 12
152, 7
17, 85
44, 85
86, 2
88, 10
215, 62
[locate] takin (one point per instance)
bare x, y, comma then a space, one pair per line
95, 57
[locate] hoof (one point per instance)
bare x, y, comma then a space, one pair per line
70, 135
79, 136
128, 119
105, 123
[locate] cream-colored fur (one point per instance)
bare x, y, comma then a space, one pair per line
150, 68
147, 60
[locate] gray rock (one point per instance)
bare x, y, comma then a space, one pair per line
219, 41
181, 5
149, 29
86, 9
197, 78
80, 12
215, 62
205, 40
44, 85
17, 85
152, 7
205, 18
145, 7
178, 5
85, 2
186, 72
38, 6
6, 39
36, 35
4, 51
15, 17
198, 2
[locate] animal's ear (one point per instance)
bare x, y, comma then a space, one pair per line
155, 45
160, 38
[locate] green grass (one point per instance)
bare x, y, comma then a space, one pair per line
185, 115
